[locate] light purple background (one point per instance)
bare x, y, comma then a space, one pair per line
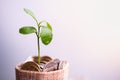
86, 33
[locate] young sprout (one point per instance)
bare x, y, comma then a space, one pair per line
43, 31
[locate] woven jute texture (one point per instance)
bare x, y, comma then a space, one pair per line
34, 75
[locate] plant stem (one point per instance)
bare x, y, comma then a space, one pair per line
38, 50
38, 41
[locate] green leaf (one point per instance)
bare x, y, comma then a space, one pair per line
46, 35
29, 12
49, 26
27, 30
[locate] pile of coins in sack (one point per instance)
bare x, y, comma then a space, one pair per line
47, 64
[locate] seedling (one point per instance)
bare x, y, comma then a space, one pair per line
43, 31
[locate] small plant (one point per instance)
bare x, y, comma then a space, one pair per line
43, 31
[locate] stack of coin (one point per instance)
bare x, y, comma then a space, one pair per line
47, 64
51, 66
30, 65
43, 59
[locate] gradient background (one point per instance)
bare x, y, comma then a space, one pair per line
86, 33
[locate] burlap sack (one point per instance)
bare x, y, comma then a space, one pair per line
34, 75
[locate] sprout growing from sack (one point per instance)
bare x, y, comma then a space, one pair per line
43, 31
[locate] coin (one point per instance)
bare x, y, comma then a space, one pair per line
62, 64
56, 61
50, 68
52, 65
35, 59
45, 59
42, 65
30, 65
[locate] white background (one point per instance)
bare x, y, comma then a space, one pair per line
86, 33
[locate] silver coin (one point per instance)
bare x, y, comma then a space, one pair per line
52, 65
62, 64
